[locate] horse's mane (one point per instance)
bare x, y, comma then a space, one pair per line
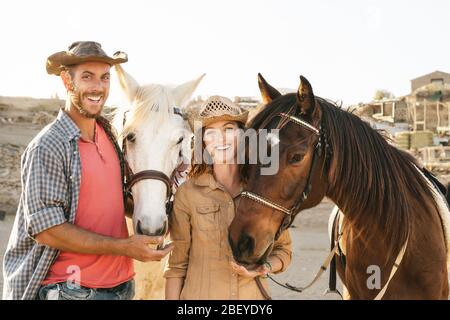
374, 182
152, 104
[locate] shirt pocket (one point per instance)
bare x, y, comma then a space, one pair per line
208, 217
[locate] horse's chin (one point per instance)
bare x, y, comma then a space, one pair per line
254, 261
263, 257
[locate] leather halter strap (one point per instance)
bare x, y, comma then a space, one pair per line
133, 178
152, 175
300, 122
265, 201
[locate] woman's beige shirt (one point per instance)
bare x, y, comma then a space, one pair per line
202, 212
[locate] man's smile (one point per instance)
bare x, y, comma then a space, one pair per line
94, 98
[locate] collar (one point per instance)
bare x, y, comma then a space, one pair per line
97, 127
71, 131
68, 126
207, 180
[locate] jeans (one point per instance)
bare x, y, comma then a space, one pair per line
69, 291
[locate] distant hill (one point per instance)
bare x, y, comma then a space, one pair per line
33, 104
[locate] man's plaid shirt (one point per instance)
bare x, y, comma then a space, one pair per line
51, 177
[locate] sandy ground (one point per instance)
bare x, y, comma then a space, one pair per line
20, 134
310, 245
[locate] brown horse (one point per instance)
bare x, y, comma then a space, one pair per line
326, 151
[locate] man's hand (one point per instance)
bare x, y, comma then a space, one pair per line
71, 238
137, 247
260, 270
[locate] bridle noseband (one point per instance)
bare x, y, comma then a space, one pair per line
132, 178
292, 212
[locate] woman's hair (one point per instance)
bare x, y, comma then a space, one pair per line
197, 169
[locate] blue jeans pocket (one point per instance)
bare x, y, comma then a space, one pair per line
68, 291
49, 292
74, 292
64, 291
126, 290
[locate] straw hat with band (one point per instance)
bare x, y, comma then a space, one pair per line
80, 52
218, 108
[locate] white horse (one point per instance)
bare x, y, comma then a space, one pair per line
157, 138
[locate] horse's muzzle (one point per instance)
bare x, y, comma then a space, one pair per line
159, 232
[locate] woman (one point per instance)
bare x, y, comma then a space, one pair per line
201, 265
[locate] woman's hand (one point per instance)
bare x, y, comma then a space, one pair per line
261, 270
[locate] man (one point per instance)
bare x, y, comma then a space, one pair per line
69, 239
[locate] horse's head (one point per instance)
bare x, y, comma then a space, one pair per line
254, 229
155, 137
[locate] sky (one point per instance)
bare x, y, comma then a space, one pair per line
346, 49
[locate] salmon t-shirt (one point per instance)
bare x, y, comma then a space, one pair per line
100, 210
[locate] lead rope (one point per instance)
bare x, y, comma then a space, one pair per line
325, 265
322, 269
393, 271
261, 288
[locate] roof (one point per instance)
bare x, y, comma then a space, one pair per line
434, 73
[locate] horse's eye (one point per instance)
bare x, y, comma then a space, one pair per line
180, 140
131, 137
296, 158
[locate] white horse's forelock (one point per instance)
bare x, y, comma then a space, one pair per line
153, 105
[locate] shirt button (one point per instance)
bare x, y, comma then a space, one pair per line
71, 177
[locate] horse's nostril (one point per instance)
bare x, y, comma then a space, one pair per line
144, 229
160, 232
166, 226
139, 228
246, 244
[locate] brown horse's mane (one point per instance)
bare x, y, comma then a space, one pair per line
373, 181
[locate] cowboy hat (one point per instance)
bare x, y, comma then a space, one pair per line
218, 108
79, 52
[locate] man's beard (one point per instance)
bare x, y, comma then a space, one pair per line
76, 98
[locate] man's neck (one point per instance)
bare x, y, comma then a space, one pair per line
86, 125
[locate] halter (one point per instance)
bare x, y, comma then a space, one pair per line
132, 178
291, 212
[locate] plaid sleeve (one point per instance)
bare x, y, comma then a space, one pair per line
44, 190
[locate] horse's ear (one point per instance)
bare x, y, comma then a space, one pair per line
305, 97
183, 92
127, 82
268, 92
